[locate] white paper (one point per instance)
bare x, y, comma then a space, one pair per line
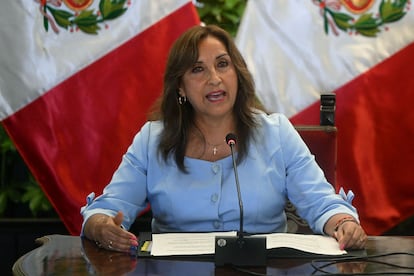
169, 244
317, 244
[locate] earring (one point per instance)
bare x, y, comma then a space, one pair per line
182, 99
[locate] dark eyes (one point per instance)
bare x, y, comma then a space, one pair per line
220, 64
197, 69
223, 63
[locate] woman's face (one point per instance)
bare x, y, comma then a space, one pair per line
210, 85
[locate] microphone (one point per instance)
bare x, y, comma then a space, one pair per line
241, 250
231, 140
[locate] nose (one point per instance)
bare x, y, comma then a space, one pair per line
214, 77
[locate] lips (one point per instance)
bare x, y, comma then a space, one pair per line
216, 95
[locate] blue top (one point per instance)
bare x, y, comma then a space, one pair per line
278, 166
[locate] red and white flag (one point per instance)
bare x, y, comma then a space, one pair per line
364, 52
76, 81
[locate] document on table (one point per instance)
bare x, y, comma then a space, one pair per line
316, 244
169, 244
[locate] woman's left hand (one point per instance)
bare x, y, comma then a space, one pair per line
347, 231
350, 235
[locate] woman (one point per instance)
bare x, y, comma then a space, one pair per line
180, 163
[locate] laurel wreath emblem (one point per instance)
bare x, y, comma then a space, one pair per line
366, 24
87, 21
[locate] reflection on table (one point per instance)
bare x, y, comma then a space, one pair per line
71, 255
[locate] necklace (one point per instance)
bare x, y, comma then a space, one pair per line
215, 147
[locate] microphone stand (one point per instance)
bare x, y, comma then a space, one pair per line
241, 250
240, 234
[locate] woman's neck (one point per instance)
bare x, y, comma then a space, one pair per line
207, 139
215, 131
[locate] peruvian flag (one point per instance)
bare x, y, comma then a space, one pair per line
76, 81
363, 51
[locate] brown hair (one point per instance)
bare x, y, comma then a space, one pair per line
179, 118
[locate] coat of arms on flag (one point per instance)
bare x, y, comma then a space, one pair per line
356, 16
80, 14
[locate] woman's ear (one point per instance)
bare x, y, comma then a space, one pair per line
181, 92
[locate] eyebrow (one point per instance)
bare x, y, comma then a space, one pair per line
218, 57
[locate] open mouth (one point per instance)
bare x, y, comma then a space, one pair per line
216, 96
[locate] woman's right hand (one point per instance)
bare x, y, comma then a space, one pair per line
107, 233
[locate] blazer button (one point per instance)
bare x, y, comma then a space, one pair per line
214, 197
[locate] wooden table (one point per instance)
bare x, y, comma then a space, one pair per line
71, 255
